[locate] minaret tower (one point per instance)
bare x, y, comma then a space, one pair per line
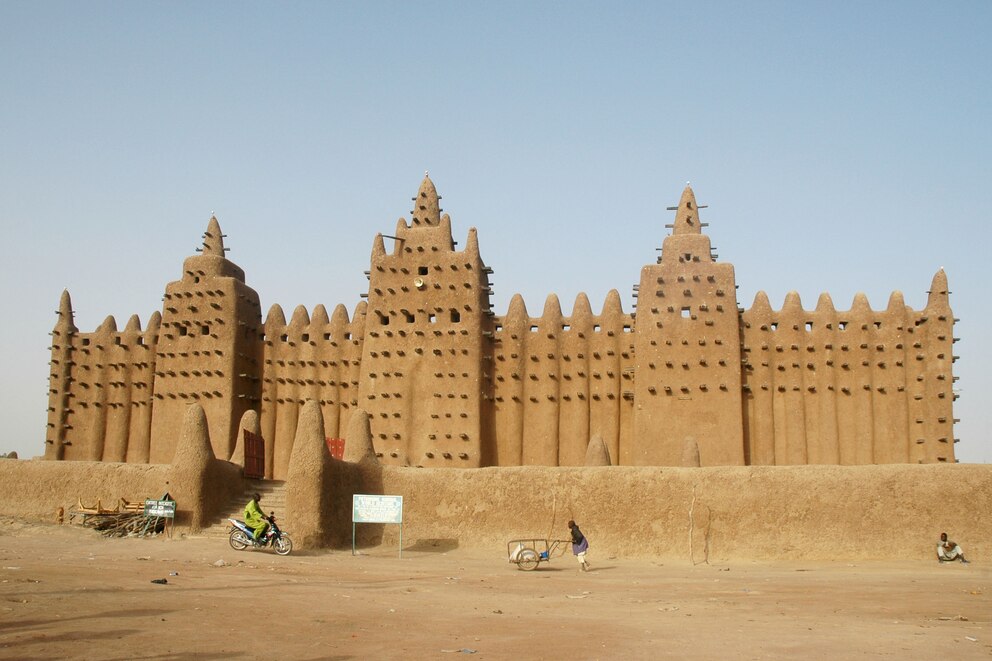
687, 391
426, 365
209, 350
933, 405
60, 379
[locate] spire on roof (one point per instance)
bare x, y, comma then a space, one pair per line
65, 320
687, 214
426, 207
938, 294
213, 239
687, 242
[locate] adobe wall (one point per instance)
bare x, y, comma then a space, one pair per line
209, 349
426, 376
309, 358
737, 513
688, 357
100, 390
723, 513
688, 379
849, 387
201, 484
36, 489
561, 380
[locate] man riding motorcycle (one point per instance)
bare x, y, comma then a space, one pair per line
256, 519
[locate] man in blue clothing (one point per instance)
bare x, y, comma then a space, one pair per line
579, 545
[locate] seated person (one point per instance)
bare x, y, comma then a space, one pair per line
948, 551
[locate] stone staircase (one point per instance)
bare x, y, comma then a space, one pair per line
273, 493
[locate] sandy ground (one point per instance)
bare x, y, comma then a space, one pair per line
67, 592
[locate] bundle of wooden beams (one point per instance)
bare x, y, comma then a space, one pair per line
125, 524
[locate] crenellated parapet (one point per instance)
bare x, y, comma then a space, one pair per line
100, 390
848, 387
561, 380
310, 358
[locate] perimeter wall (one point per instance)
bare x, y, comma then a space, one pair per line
679, 514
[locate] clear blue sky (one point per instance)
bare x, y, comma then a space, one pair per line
841, 147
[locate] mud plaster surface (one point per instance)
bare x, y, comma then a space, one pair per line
66, 592
827, 513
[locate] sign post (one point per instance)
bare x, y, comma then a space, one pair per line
161, 509
376, 509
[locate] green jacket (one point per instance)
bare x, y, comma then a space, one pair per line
253, 513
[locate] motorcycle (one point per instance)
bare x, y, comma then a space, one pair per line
242, 537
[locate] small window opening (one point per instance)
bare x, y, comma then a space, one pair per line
117, 341
626, 328
878, 324
86, 341
383, 320
327, 336
455, 316
182, 331
566, 327
596, 328
141, 341
431, 319
533, 329
421, 270
284, 338
205, 330
774, 326
809, 325
347, 336
842, 325
685, 313
409, 316
306, 337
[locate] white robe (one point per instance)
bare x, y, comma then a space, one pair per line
949, 554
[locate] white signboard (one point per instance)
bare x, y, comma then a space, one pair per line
376, 509
161, 508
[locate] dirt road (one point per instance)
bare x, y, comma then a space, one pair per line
67, 592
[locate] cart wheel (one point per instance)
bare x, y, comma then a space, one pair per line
528, 560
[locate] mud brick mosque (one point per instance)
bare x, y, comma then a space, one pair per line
690, 379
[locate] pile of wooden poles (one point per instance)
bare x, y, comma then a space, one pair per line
125, 524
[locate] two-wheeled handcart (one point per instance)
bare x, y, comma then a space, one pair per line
527, 554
